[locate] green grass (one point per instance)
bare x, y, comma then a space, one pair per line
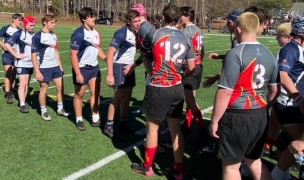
34, 149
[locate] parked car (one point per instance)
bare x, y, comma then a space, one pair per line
103, 20
271, 30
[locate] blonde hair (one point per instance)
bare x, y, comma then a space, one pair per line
284, 30
248, 22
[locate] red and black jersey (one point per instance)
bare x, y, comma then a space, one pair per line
195, 36
170, 48
247, 70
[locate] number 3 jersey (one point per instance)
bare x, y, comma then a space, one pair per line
170, 48
247, 70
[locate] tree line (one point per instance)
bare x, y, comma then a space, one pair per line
205, 9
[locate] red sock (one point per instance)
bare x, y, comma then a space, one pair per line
269, 143
188, 117
149, 156
178, 167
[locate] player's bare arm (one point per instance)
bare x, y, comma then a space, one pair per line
102, 55
222, 98
9, 48
110, 59
75, 64
39, 76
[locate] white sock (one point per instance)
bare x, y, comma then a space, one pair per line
59, 105
78, 119
95, 117
279, 174
43, 109
22, 103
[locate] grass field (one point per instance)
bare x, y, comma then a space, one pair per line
34, 149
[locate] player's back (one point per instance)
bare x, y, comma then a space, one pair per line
170, 50
195, 36
248, 69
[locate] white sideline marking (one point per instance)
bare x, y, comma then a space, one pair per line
104, 161
111, 158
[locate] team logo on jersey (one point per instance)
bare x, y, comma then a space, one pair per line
284, 61
19, 70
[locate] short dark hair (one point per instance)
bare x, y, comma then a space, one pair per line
86, 12
171, 14
262, 13
132, 14
17, 16
188, 11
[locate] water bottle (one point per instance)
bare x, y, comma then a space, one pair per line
300, 162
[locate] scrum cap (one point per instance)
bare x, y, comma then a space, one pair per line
140, 8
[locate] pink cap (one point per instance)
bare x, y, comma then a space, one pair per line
28, 19
140, 8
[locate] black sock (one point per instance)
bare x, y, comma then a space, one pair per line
110, 123
301, 172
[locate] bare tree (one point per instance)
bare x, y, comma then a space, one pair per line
117, 8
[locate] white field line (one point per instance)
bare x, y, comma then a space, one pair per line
110, 158
104, 161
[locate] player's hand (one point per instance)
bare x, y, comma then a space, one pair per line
61, 69
210, 80
128, 69
213, 56
110, 80
39, 76
20, 56
79, 79
213, 128
296, 147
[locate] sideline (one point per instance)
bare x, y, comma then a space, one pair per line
110, 158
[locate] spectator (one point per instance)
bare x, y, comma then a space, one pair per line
209, 26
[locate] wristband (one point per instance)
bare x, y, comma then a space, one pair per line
138, 62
